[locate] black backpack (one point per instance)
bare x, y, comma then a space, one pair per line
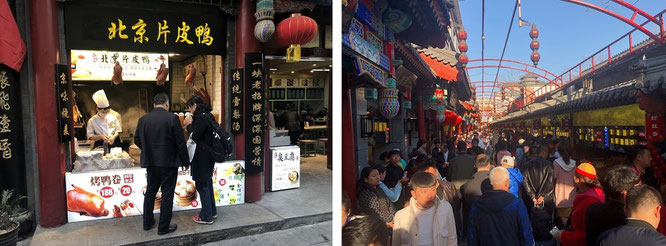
221, 148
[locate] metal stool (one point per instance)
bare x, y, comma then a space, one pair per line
304, 144
321, 145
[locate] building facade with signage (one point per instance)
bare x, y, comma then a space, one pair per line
403, 70
227, 52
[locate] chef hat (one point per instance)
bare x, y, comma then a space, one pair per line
100, 99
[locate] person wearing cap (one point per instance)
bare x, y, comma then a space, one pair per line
589, 192
515, 175
103, 127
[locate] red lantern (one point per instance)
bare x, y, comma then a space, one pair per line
450, 117
534, 45
462, 34
458, 120
535, 57
462, 58
462, 46
534, 32
294, 32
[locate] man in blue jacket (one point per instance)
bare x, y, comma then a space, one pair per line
498, 217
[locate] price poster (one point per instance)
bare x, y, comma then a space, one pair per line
236, 100
255, 122
285, 168
120, 193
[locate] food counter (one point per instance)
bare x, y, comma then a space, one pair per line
119, 192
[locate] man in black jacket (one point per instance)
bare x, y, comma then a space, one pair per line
475, 186
643, 205
601, 217
539, 185
159, 135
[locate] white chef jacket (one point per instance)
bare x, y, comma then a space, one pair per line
103, 126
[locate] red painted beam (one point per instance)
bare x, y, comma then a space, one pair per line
246, 42
348, 157
50, 153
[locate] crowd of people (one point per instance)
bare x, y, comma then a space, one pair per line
504, 188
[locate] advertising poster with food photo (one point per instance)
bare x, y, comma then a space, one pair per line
285, 168
120, 193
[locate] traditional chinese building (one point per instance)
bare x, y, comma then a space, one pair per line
403, 70
231, 53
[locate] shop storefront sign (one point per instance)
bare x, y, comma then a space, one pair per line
120, 192
654, 127
142, 26
12, 168
97, 65
361, 66
254, 112
63, 81
237, 100
285, 168
364, 48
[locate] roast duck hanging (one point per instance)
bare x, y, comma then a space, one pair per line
162, 74
191, 72
117, 74
86, 203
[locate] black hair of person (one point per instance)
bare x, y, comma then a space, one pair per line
637, 150
361, 184
380, 168
642, 195
422, 180
462, 146
160, 99
365, 230
476, 150
617, 180
420, 143
202, 107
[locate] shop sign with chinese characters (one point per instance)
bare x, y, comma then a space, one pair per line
96, 65
285, 168
9, 116
120, 192
64, 102
237, 100
172, 27
254, 112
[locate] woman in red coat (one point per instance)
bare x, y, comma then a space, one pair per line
588, 192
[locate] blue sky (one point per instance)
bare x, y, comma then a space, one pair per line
569, 33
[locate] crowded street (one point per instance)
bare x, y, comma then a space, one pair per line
545, 131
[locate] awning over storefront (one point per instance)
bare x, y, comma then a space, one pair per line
441, 61
617, 95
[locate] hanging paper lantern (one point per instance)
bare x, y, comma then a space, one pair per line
462, 34
534, 45
450, 117
535, 57
389, 105
264, 30
458, 120
462, 59
534, 32
294, 32
462, 46
265, 27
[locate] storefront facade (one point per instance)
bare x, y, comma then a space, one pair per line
90, 37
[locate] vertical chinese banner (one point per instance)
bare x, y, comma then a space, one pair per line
654, 127
64, 103
254, 112
236, 100
12, 170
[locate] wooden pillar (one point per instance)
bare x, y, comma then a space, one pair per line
50, 152
348, 156
246, 42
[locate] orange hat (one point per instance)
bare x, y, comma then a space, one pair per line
587, 170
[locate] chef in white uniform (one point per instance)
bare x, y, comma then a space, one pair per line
104, 126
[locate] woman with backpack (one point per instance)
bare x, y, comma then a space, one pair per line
201, 133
